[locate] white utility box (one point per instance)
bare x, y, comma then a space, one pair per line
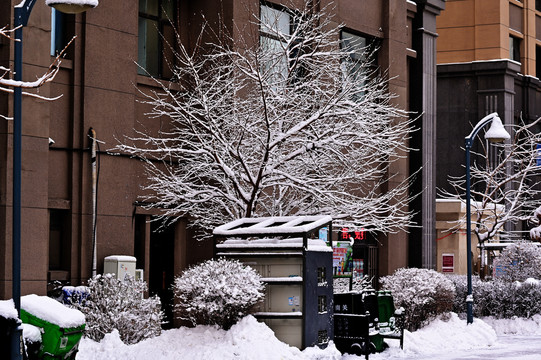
120, 265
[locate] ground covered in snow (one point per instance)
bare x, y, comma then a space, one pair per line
250, 339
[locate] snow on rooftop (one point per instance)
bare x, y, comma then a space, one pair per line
264, 243
121, 258
52, 311
264, 225
480, 61
7, 309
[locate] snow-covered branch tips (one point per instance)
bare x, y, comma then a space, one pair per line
294, 119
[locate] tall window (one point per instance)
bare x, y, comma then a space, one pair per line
62, 30
156, 36
514, 48
357, 49
538, 61
59, 245
274, 22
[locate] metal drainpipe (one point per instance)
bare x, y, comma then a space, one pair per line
92, 135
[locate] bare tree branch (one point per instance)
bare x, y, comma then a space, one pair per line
7, 84
293, 128
507, 193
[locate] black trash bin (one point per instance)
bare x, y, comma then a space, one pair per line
9, 327
351, 324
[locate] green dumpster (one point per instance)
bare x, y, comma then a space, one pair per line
61, 327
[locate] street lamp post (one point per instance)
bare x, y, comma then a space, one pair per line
496, 133
21, 14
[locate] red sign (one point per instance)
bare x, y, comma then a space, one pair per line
448, 263
346, 235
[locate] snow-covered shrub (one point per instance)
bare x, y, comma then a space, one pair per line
519, 261
500, 299
423, 293
481, 293
217, 292
116, 304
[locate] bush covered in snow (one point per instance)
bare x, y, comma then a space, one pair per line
423, 293
115, 304
519, 261
500, 299
217, 292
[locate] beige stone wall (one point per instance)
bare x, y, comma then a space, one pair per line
475, 30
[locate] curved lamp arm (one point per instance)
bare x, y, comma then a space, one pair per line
484, 121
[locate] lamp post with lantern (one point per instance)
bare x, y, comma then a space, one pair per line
21, 14
495, 134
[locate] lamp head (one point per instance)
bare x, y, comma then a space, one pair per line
72, 6
497, 132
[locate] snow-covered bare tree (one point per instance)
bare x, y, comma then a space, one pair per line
7, 83
298, 123
507, 189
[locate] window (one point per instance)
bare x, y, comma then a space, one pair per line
322, 337
156, 36
514, 48
354, 64
62, 31
538, 61
322, 303
538, 5
274, 23
59, 246
322, 276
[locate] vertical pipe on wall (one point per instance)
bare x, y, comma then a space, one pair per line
93, 158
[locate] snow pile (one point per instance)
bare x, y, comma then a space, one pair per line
31, 333
516, 326
246, 340
446, 334
7, 309
52, 311
250, 339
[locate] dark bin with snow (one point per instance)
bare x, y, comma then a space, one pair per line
61, 326
9, 323
294, 258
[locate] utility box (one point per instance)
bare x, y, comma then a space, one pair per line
120, 265
294, 258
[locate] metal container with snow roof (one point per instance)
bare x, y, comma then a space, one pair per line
61, 327
120, 265
293, 255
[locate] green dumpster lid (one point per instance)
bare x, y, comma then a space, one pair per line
52, 311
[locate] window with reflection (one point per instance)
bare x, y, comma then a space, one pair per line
275, 25
156, 37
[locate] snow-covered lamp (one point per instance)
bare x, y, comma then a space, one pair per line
72, 6
497, 132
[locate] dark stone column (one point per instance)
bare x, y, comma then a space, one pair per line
422, 247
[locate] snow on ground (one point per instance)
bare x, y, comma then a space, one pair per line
250, 339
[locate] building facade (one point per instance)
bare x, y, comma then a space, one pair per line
101, 79
487, 61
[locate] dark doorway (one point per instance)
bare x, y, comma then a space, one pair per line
161, 269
